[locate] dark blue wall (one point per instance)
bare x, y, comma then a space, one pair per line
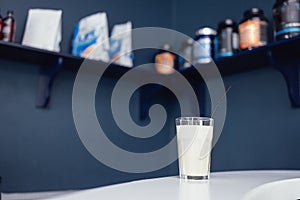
40, 150
261, 130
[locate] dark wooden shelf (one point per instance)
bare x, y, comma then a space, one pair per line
241, 62
248, 60
282, 55
50, 63
21, 53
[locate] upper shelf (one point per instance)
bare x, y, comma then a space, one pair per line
18, 52
282, 55
252, 59
240, 62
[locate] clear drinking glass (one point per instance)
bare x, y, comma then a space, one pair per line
194, 142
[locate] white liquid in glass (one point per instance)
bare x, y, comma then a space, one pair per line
194, 147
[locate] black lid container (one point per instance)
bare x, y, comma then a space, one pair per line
227, 38
286, 18
204, 45
186, 54
254, 13
253, 29
9, 27
165, 60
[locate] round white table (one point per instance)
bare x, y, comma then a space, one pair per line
221, 186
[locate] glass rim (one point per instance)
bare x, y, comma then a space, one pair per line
195, 118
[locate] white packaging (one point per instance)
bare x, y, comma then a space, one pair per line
43, 29
121, 44
90, 38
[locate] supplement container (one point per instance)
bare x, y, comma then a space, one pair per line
165, 60
204, 45
253, 29
9, 27
186, 54
227, 39
286, 15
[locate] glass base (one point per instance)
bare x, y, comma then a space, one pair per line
194, 177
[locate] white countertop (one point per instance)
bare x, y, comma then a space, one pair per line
221, 186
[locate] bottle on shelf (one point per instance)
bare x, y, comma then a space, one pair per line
286, 15
186, 54
9, 27
227, 39
204, 45
253, 29
165, 60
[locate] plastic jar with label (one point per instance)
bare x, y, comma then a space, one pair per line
9, 27
253, 29
286, 15
227, 39
204, 46
186, 54
165, 60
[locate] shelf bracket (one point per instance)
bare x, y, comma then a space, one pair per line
288, 63
47, 74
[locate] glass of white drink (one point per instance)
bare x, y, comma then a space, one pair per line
194, 141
